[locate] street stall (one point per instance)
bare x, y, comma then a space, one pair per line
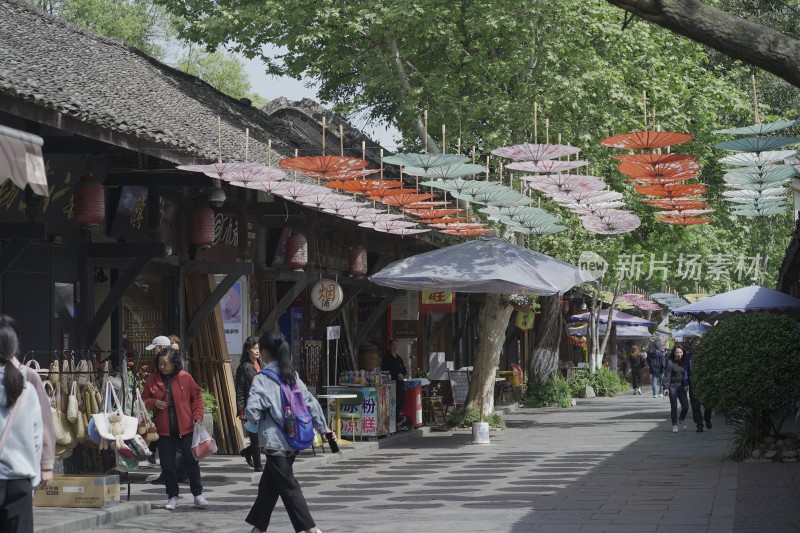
374, 416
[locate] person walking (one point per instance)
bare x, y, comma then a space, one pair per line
21, 438
249, 365
656, 361
700, 413
264, 410
675, 382
636, 362
174, 396
393, 363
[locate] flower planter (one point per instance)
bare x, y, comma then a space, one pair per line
522, 308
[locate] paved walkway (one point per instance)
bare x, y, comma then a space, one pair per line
610, 464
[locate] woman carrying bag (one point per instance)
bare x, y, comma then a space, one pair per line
174, 397
250, 365
20, 438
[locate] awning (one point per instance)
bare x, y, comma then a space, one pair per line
21, 160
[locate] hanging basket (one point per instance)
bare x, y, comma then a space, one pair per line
522, 308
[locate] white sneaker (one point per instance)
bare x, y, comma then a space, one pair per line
674, 428
172, 503
314, 530
683, 424
200, 502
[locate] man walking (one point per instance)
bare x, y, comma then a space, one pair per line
656, 361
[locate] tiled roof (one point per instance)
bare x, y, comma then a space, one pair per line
56, 65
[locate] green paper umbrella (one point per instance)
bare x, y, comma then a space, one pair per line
758, 159
760, 212
759, 129
760, 143
755, 186
764, 173
425, 161
456, 170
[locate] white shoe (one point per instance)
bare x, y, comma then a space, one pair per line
683, 424
674, 428
172, 503
200, 502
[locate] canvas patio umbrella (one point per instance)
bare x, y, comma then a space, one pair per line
618, 318
745, 300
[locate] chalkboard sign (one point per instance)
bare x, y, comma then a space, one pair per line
459, 384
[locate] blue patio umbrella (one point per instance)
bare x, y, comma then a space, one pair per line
750, 299
692, 329
618, 318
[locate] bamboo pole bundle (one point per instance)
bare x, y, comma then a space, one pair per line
211, 365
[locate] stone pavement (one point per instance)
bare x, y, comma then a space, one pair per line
609, 464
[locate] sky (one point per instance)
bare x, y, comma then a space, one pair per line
272, 87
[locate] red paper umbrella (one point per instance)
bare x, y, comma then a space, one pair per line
535, 152
400, 200
684, 221
645, 140
677, 204
363, 186
546, 167
426, 205
446, 220
662, 180
672, 213
677, 190
652, 158
378, 195
459, 225
322, 166
687, 167
612, 225
467, 232
432, 213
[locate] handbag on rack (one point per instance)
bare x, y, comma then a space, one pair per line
67, 372
72, 403
112, 424
144, 420
83, 372
53, 372
62, 427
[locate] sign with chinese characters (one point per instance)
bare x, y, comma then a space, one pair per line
377, 411
525, 319
327, 295
405, 329
437, 302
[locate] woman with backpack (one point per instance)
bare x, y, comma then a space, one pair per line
265, 409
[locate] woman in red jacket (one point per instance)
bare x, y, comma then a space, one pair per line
174, 397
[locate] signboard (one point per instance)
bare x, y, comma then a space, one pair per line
525, 319
378, 416
459, 385
334, 332
230, 307
327, 295
437, 302
405, 329
226, 239
279, 259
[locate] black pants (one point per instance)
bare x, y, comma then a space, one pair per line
167, 448
254, 450
16, 506
636, 378
697, 410
678, 393
278, 480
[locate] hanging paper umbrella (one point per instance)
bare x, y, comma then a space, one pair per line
322, 166
761, 212
217, 170
547, 166
759, 143
622, 223
400, 200
379, 195
660, 180
431, 212
458, 185
645, 140
753, 195
267, 186
535, 152
558, 179
388, 223
687, 167
402, 231
759, 129
526, 214
587, 197
360, 213
537, 228
738, 183
677, 190
765, 173
363, 186
292, 190
318, 200
243, 176
373, 217
457, 170
446, 220
499, 195
426, 161
684, 213
459, 225
467, 232
650, 158
429, 204
684, 220
577, 183
676, 204
599, 209
760, 158
338, 205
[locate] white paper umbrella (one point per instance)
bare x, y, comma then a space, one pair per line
243, 176
611, 225
754, 194
593, 208
218, 170
588, 197
535, 152
758, 202
386, 224
375, 217
547, 167
532, 228
458, 185
760, 158
359, 213
292, 190
578, 183
500, 195
339, 205
495, 212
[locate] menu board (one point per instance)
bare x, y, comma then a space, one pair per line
459, 384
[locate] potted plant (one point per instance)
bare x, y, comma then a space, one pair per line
211, 415
523, 302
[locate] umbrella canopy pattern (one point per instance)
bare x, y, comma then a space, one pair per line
488, 265
425, 161
451, 171
323, 166
746, 300
535, 152
618, 318
645, 140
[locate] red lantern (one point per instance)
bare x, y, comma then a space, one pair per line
297, 251
89, 201
357, 261
201, 227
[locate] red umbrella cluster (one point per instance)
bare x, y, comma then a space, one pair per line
663, 177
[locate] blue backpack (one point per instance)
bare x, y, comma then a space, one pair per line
292, 397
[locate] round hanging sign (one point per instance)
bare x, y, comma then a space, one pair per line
327, 295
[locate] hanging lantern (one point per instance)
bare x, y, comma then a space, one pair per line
89, 201
297, 251
201, 227
357, 261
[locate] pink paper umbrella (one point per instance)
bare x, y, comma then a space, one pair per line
389, 224
535, 152
242, 177
597, 209
337, 205
579, 183
292, 190
622, 223
587, 197
267, 186
358, 213
217, 170
558, 179
547, 167
374, 218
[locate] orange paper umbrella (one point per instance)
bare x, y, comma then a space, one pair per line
400, 200
652, 158
662, 180
684, 221
426, 205
677, 204
467, 232
322, 166
687, 168
379, 194
363, 186
431, 213
645, 140
676, 190
446, 220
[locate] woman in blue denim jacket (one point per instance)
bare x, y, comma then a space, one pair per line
264, 411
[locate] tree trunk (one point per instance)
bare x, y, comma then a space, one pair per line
492, 322
733, 36
544, 361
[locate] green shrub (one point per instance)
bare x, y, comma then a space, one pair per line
581, 378
750, 364
608, 383
555, 391
463, 417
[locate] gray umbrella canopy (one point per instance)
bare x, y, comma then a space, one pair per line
488, 265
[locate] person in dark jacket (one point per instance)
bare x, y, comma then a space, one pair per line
700, 413
249, 365
675, 382
393, 363
636, 362
656, 361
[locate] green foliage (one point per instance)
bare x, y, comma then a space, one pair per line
209, 402
608, 383
463, 417
555, 391
581, 378
750, 364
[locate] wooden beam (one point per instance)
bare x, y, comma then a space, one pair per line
10, 254
161, 178
240, 268
330, 317
361, 334
437, 330
127, 249
30, 231
208, 307
114, 297
282, 305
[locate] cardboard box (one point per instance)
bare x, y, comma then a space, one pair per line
79, 490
